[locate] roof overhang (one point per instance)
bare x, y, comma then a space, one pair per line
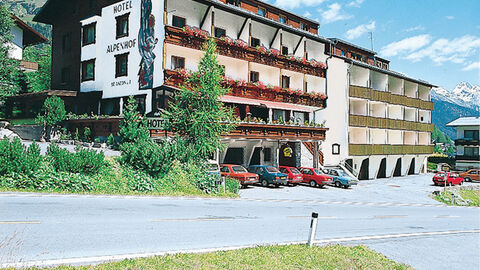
30, 35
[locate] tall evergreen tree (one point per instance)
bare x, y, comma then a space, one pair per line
8, 66
196, 112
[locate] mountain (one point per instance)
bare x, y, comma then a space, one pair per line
462, 101
26, 10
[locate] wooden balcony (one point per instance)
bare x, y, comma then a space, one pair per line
381, 149
369, 93
177, 36
385, 123
175, 79
466, 142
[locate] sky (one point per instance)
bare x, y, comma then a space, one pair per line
433, 40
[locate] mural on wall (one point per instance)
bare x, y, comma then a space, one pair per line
146, 42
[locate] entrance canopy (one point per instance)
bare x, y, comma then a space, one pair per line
267, 104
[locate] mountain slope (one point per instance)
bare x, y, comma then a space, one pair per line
26, 10
462, 101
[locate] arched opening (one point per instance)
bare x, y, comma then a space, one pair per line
234, 156
256, 156
411, 170
398, 168
382, 172
363, 174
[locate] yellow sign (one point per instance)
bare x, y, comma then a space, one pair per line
287, 152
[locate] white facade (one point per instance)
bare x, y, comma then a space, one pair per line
16, 45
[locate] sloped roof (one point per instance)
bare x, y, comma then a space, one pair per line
465, 121
30, 35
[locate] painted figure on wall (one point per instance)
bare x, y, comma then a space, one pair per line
147, 43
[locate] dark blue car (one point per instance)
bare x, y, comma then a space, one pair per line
269, 175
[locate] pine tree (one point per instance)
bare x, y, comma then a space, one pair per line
133, 126
196, 112
53, 112
9, 68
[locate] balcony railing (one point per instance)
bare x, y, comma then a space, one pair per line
369, 93
241, 50
385, 123
468, 158
175, 78
382, 149
467, 142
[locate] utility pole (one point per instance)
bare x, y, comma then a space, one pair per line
371, 39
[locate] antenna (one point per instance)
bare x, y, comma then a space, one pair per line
371, 39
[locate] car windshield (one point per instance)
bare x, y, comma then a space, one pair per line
453, 175
271, 169
317, 171
294, 171
340, 173
239, 169
441, 174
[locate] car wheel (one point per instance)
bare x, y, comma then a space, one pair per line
467, 179
346, 186
313, 183
244, 186
277, 185
337, 184
264, 183
321, 186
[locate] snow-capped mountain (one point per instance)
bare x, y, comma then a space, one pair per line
464, 94
462, 101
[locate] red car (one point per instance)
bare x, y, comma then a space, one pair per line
315, 177
240, 173
452, 179
294, 175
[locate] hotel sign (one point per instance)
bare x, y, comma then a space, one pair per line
156, 123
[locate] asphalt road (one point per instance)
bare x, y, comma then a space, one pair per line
38, 227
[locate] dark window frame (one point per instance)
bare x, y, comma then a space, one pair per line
254, 76
335, 149
118, 72
256, 43
284, 50
265, 14
286, 79
174, 17
85, 34
219, 29
84, 70
175, 61
285, 21
119, 19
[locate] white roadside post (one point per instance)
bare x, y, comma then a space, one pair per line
313, 229
223, 184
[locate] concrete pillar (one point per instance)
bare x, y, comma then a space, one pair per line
121, 106
270, 115
315, 155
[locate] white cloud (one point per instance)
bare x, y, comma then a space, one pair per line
297, 3
457, 50
450, 17
360, 30
472, 66
355, 3
307, 14
333, 13
416, 28
407, 45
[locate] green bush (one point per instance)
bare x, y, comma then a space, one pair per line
16, 158
111, 140
232, 185
82, 161
138, 181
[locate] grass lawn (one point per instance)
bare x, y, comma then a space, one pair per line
472, 195
271, 257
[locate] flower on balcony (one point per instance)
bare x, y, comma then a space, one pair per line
262, 50
229, 82
240, 43
195, 32
184, 73
315, 63
260, 85
227, 40
291, 57
241, 83
273, 52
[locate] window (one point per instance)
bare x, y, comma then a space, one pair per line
284, 50
471, 151
300, 117
122, 25
471, 134
302, 25
233, 2
254, 42
65, 75
282, 19
121, 65
179, 21
219, 32
285, 81
66, 43
278, 115
225, 169
88, 34
336, 149
267, 154
254, 76
305, 87
88, 70
262, 12
178, 62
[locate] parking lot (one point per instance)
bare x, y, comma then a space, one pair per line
408, 189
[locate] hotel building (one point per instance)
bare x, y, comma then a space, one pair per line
300, 99
467, 142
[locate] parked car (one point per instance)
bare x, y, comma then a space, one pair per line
294, 175
269, 175
315, 177
341, 179
451, 179
471, 175
240, 173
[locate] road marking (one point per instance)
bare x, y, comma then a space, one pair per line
384, 217
447, 216
102, 259
326, 217
191, 219
19, 222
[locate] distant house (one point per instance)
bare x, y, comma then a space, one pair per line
467, 142
24, 36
